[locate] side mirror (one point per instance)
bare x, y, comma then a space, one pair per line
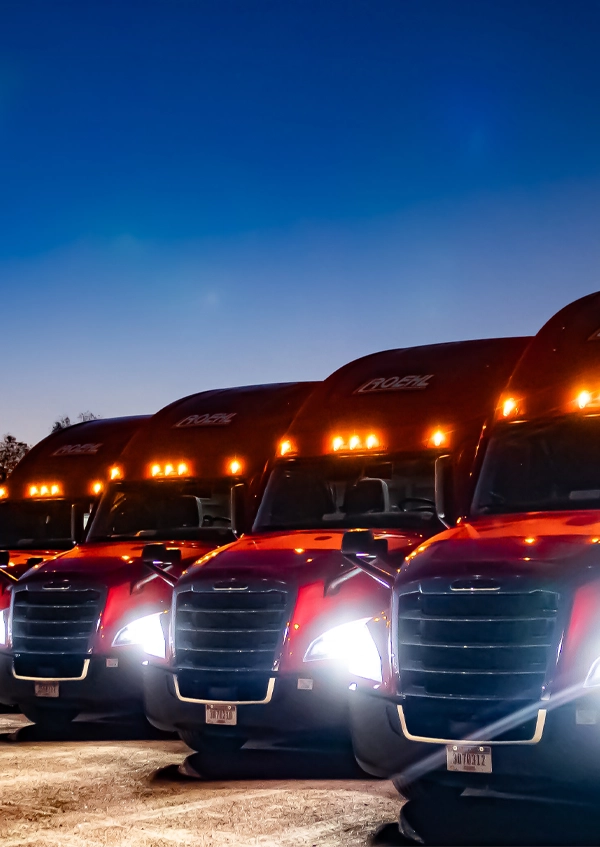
239, 509
364, 551
77, 527
445, 505
157, 557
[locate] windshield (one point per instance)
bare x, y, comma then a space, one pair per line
38, 523
345, 493
534, 467
166, 510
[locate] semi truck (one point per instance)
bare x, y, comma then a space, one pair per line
490, 648
253, 645
184, 485
47, 500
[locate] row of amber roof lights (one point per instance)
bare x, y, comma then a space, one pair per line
509, 407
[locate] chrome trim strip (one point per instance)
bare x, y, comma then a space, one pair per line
86, 665
537, 735
267, 699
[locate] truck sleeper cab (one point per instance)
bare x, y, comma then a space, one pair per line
47, 500
257, 628
76, 622
492, 652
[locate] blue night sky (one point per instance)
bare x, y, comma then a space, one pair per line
203, 193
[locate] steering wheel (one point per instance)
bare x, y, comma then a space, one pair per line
209, 520
425, 504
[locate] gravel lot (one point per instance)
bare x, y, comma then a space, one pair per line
106, 792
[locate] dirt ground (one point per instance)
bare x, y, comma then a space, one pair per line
103, 792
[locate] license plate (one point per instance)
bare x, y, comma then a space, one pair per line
223, 715
46, 689
468, 759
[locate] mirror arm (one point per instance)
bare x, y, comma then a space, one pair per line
380, 571
10, 578
157, 570
332, 585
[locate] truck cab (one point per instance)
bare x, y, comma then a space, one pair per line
491, 646
76, 622
47, 500
257, 627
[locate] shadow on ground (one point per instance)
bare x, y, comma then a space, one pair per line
495, 821
270, 763
86, 731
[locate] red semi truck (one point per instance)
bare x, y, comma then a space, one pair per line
257, 628
47, 500
76, 622
491, 649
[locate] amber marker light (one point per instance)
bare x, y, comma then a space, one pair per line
235, 467
358, 441
530, 540
155, 470
182, 469
508, 407
97, 487
584, 398
3, 492
438, 438
45, 489
116, 473
287, 447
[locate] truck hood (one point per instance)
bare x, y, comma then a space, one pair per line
299, 557
19, 559
108, 560
549, 544
307, 562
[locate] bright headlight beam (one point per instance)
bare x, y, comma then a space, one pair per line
593, 677
147, 633
351, 644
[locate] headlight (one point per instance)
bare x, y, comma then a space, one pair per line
4, 627
352, 645
147, 633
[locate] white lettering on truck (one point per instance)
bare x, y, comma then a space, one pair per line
412, 382
217, 419
77, 450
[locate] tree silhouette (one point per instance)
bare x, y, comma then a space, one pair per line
11, 452
65, 421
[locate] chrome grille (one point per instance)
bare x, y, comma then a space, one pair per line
470, 658
50, 621
227, 638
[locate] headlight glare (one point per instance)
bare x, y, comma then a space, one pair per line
593, 677
350, 644
147, 633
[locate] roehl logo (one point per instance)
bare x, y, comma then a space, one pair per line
77, 450
217, 419
412, 382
